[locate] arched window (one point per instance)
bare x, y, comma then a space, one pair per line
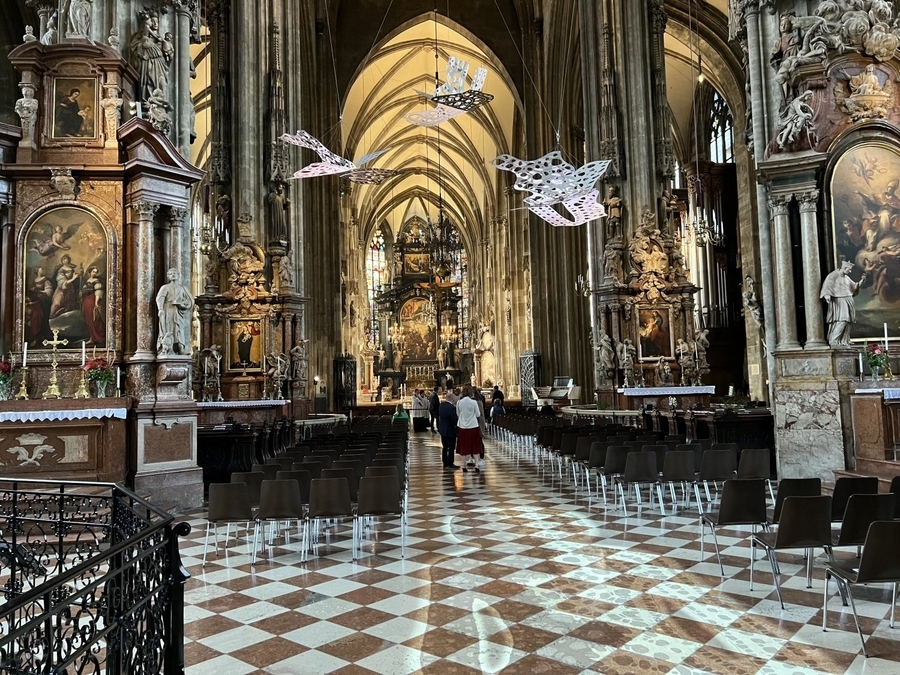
377, 278
721, 131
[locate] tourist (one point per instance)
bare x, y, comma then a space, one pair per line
434, 402
468, 441
447, 421
400, 415
497, 409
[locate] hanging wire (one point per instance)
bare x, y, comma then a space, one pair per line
528, 72
337, 88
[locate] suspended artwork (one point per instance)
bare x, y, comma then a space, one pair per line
552, 181
450, 98
335, 165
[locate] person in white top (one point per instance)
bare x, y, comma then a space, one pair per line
468, 440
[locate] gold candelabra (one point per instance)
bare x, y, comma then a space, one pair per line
53, 388
22, 394
82, 388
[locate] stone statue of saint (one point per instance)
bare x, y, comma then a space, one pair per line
663, 372
442, 358
614, 208
278, 206
26, 109
147, 55
79, 20
838, 290
606, 358
174, 303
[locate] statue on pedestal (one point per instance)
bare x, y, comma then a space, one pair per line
838, 291
614, 209
174, 302
605, 358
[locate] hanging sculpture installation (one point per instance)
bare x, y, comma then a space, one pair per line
335, 165
552, 181
450, 98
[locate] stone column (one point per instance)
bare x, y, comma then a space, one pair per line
784, 279
183, 77
145, 319
812, 275
178, 246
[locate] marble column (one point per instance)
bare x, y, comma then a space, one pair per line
178, 244
812, 274
784, 276
183, 78
145, 319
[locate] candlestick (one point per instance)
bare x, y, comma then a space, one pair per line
22, 394
860, 366
885, 337
82, 387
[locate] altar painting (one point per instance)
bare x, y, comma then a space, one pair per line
245, 345
418, 331
655, 336
74, 107
865, 209
66, 264
417, 263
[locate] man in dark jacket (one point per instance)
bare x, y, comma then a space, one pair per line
446, 419
434, 403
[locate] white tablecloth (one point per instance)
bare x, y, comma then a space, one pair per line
62, 415
891, 394
241, 404
669, 391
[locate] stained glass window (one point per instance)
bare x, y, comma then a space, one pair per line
377, 279
721, 131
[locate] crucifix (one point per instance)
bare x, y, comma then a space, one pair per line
53, 387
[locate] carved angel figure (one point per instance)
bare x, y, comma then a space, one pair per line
797, 118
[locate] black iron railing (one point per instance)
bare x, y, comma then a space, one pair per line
92, 581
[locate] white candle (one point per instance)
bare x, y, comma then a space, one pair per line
25, 355
860, 364
119, 379
885, 338
82, 354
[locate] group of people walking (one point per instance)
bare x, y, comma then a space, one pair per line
460, 419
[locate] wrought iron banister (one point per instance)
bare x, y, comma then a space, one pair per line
92, 579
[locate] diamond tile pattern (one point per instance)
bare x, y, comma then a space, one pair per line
513, 571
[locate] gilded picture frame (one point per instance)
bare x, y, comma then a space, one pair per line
66, 271
865, 220
419, 335
416, 264
245, 342
74, 109
654, 333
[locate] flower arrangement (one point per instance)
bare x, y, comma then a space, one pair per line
99, 370
876, 356
6, 372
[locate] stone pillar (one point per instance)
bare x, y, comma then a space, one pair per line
812, 275
183, 79
784, 278
179, 247
145, 323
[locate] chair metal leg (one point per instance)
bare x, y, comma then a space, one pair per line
771, 491
809, 566
716, 544
702, 535
255, 543
662, 504
697, 497
856, 619
706, 488
674, 497
752, 559
206, 542
603, 484
825, 604
893, 602
774, 562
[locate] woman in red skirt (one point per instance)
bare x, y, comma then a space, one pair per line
468, 439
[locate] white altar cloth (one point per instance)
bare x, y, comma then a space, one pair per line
241, 404
62, 415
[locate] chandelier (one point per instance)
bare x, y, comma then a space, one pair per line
443, 246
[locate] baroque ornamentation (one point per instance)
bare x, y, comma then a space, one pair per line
796, 123
246, 264
62, 181
27, 109
868, 98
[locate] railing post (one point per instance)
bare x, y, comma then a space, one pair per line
178, 575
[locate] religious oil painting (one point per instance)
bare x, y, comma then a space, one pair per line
245, 344
655, 333
66, 263
865, 208
74, 107
418, 331
417, 263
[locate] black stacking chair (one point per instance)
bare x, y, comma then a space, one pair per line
743, 503
640, 469
879, 564
895, 490
846, 486
679, 468
228, 503
862, 511
792, 487
756, 463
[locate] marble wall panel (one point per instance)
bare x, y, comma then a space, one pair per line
808, 433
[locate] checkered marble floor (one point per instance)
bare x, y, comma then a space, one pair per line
509, 571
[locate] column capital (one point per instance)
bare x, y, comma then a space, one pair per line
144, 209
809, 201
177, 215
778, 204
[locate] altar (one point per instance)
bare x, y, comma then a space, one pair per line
637, 398
243, 412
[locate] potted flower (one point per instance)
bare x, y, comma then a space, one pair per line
6, 378
876, 357
100, 373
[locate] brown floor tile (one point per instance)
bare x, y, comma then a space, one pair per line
764, 625
443, 667
440, 642
724, 662
284, 622
524, 638
266, 653
495, 571
816, 658
513, 610
657, 603
299, 598
729, 600
436, 614
366, 596
605, 633
686, 629
694, 579
354, 647
550, 567
567, 585
621, 662
353, 669
584, 607
194, 652
538, 664
211, 625
360, 619
226, 603
501, 589
635, 583
434, 592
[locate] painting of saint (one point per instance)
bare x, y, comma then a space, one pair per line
75, 108
245, 345
655, 334
418, 331
417, 263
66, 271
866, 222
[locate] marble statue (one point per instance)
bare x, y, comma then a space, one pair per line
685, 352
752, 305
300, 363
29, 35
158, 111
147, 55
174, 303
614, 211
286, 270
49, 35
868, 98
79, 19
611, 263
113, 38
442, 358
606, 358
796, 119
26, 109
111, 104
838, 291
663, 372
701, 344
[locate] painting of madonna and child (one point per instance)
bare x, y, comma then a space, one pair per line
865, 199
66, 263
